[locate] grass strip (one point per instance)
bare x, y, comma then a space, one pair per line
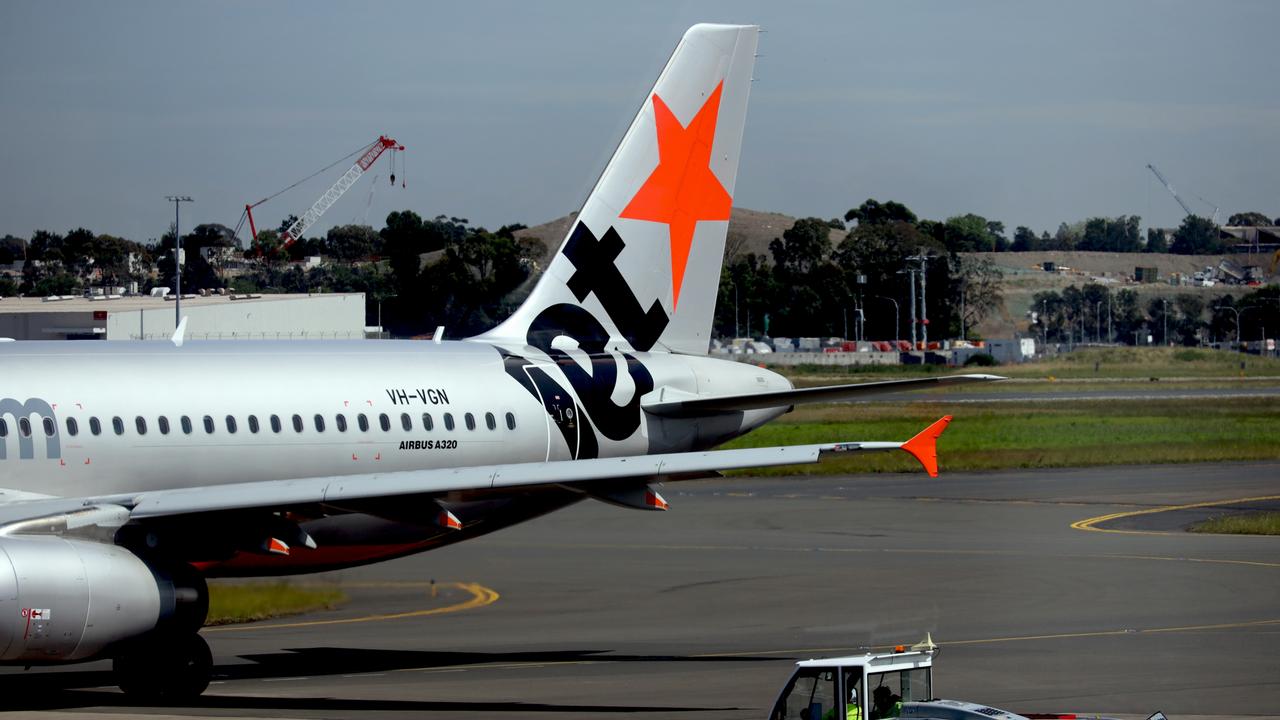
1111, 362
1262, 523
249, 602
987, 436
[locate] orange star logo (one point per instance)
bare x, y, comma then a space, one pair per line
682, 190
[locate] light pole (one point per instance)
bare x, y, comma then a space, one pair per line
1111, 335
735, 309
1238, 312
924, 305
1164, 322
895, 317
1044, 320
911, 277
1097, 321
177, 200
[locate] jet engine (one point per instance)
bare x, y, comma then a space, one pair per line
69, 599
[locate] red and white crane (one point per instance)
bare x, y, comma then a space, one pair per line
369, 154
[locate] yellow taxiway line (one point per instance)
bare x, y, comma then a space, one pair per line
1090, 524
480, 597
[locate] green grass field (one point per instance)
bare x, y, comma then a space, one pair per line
1264, 523
248, 602
1034, 435
1091, 363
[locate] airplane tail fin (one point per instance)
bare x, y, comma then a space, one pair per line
640, 268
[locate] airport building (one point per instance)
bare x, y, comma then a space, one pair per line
329, 316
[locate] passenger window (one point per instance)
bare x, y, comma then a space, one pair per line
49, 428
406, 422
208, 424
384, 422
141, 424
185, 422
448, 421
4, 428
163, 422
363, 422
340, 421
253, 424
275, 423
231, 424
511, 421
95, 427
24, 427
73, 427
490, 421
319, 422
297, 423
471, 421
427, 423
116, 424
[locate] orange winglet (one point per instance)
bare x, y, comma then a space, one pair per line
924, 446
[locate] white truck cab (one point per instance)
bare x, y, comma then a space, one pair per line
873, 686
877, 686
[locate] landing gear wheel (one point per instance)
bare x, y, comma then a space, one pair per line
165, 668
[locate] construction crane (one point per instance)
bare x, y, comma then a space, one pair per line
1169, 187
368, 155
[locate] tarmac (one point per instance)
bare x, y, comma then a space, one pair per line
1048, 591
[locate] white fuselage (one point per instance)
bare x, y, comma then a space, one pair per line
129, 417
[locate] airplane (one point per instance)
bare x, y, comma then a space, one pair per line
132, 471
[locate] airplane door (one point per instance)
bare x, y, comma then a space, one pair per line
562, 414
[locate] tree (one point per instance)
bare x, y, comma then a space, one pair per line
1156, 241
746, 283
1126, 315
471, 281
871, 212
803, 247
1196, 236
1065, 238
76, 249
1249, 219
971, 233
1111, 234
1050, 315
8, 287
996, 229
977, 285
12, 249
815, 288
1024, 239
349, 243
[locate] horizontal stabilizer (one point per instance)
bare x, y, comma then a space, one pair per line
784, 398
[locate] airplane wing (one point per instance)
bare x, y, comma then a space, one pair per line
284, 494
782, 398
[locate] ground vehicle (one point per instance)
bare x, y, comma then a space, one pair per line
873, 686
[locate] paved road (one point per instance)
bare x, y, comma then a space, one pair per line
699, 612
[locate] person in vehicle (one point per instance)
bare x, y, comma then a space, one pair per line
852, 711
885, 704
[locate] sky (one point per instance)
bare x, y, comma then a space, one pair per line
1031, 113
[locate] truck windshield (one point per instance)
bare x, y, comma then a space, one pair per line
891, 688
811, 694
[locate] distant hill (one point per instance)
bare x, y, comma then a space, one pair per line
750, 231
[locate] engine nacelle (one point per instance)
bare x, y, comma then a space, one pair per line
63, 600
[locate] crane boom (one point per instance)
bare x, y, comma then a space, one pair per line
339, 188
1169, 187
